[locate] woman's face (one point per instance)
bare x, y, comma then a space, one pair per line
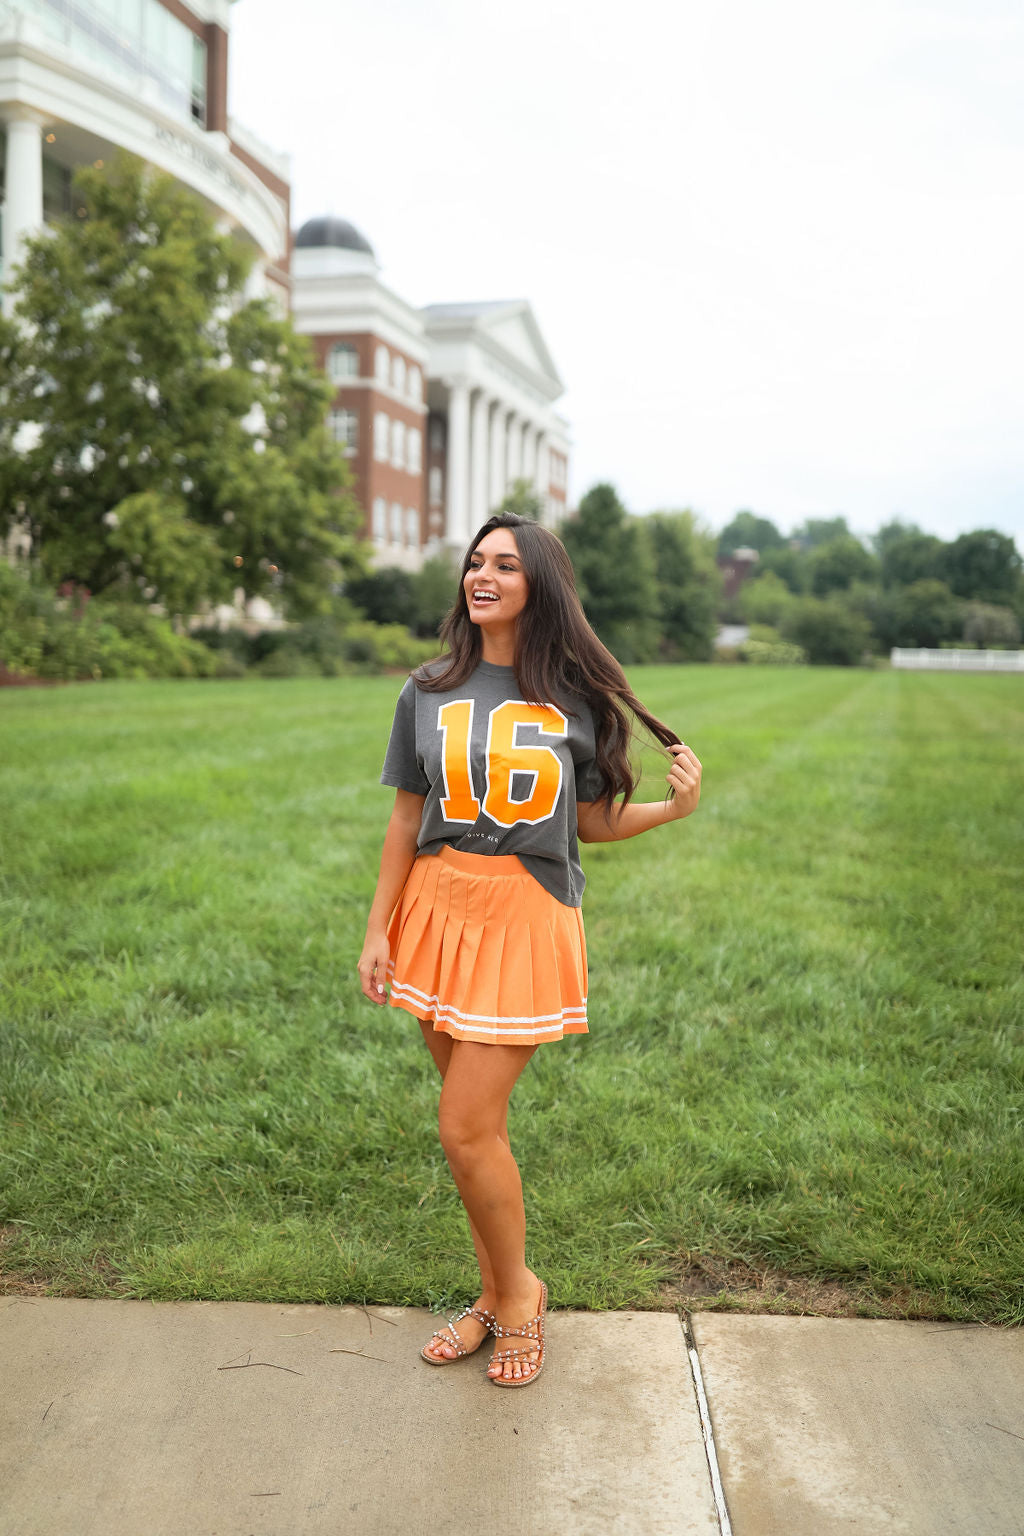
495, 585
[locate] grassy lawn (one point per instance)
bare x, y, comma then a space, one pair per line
803, 1082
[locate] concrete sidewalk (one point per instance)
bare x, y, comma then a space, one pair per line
241, 1419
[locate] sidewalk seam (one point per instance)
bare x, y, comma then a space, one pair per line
718, 1492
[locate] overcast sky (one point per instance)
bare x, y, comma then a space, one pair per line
776, 247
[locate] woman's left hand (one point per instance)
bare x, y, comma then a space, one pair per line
684, 778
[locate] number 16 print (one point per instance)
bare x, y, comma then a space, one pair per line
506, 756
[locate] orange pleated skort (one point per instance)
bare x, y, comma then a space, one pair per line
482, 950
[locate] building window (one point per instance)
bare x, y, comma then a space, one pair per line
396, 523
380, 437
436, 435
398, 374
413, 450
342, 363
56, 189
344, 427
398, 444
412, 527
436, 487
415, 383
380, 519
152, 53
198, 81
382, 363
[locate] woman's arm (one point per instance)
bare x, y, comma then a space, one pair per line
395, 864
629, 821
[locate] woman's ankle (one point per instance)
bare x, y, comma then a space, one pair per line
524, 1285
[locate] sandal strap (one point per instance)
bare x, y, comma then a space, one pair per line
449, 1334
525, 1332
455, 1339
511, 1354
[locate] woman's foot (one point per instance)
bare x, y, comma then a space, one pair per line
470, 1333
520, 1310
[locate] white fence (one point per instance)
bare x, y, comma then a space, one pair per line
957, 661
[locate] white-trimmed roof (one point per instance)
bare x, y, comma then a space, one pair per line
504, 326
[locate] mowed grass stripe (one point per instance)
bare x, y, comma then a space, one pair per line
806, 1004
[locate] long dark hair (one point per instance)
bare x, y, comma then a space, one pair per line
557, 653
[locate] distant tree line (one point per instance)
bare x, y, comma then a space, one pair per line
824, 590
653, 590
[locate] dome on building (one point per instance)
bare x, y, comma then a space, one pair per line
331, 231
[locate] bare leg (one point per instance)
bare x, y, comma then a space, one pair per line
472, 1332
474, 1104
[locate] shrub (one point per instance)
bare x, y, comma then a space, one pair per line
764, 599
828, 631
387, 647
764, 646
45, 636
287, 661
386, 596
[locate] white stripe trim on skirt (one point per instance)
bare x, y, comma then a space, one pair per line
545, 1023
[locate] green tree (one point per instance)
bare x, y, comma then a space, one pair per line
820, 530
764, 599
522, 500
615, 574
688, 583
748, 531
990, 626
162, 440
385, 596
908, 557
840, 562
830, 632
923, 613
789, 564
983, 565
434, 589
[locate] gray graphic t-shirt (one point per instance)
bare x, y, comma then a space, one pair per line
499, 774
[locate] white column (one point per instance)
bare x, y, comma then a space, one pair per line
514, 448
478, 462
457, 530
530, 453
497, 454
542, 472
256, 282
23, 211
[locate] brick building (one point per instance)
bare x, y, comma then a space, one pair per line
440, 409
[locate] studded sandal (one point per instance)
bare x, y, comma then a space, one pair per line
449, 1334
533, 1331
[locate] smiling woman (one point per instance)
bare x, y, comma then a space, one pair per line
504, 751
496, 590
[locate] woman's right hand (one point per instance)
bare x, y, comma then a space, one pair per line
373, 965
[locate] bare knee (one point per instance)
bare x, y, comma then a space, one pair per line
464, 1137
